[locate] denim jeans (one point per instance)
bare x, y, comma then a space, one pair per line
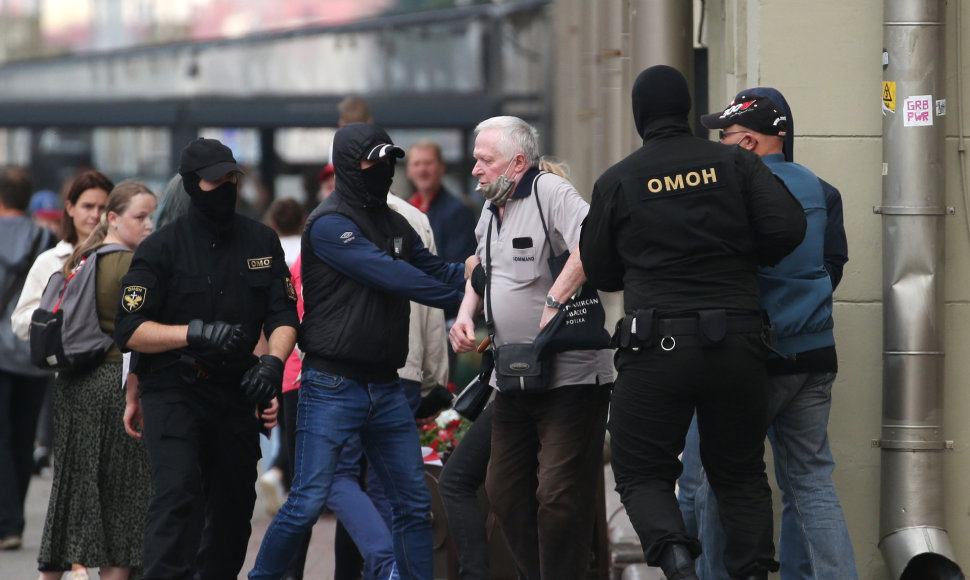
814, 538
332, 409
357, 511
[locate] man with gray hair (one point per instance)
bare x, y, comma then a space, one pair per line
546, 443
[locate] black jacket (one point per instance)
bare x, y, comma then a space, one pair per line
191, 269
349, 328
356, 304
682, 224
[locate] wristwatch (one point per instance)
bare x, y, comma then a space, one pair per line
551, 302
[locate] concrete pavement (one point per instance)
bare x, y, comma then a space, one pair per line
22, 564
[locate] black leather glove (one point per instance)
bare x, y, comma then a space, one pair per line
226, 338
264, 381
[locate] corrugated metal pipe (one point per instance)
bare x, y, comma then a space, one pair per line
913, 539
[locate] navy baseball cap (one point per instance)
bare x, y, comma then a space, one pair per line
208, 158
755, 112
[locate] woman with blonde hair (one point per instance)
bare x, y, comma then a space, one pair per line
102, 483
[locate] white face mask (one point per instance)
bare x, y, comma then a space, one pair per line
499, 190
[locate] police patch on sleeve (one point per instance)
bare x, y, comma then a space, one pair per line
290, 290
133, 298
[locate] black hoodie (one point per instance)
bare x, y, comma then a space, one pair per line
351, 329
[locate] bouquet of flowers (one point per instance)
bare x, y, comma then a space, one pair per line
444, 433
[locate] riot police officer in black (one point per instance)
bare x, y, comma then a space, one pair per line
681, 225
199, 293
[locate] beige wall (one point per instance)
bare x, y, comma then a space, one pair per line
824, 55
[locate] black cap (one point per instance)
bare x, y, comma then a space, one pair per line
758, 113
382, 150
208, 158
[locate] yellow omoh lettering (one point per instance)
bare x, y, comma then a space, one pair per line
655, 185
675, 182
693, 178
709, 175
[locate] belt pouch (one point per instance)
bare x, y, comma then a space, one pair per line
712, 326
646, 327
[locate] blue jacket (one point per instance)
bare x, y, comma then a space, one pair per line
453, 224
797, 292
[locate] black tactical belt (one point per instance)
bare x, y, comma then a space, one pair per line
643, 329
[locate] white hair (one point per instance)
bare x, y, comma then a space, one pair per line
515, 136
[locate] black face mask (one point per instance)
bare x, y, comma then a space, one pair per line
219, 204
377, 181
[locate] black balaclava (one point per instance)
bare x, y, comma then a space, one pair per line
219, 204
788, 149
366, 188
659, 91
378, 178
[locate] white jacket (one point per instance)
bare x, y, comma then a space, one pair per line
427, 361
44, 266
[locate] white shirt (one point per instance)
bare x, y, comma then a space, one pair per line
44, 266
427, 361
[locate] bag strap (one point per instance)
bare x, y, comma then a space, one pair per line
105, 249
489, 321
542, 217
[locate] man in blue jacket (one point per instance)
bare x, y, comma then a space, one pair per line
797, 293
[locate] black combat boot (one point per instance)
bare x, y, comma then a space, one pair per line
677, 563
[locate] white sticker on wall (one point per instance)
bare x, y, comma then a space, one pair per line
885, 169
918, 111
941, 107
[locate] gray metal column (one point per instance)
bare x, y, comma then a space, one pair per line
612, 70
913, 539
661, 32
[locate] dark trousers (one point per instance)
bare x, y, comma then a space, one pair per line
655, 395
20, 400
203, 444
458, 485
547, 454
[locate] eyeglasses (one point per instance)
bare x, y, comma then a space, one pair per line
722, 134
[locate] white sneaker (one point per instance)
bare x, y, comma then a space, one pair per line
271, 483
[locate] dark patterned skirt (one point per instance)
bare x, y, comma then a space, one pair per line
102, 479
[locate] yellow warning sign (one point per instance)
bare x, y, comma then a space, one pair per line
889, 95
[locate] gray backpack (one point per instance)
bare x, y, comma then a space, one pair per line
65, 333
